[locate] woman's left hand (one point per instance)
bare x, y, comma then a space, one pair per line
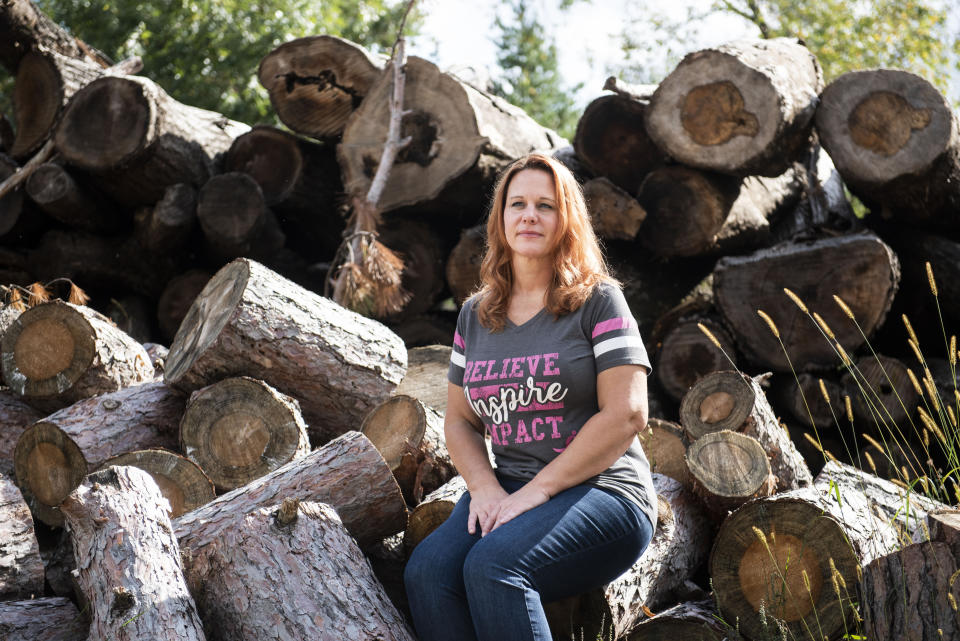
526, 498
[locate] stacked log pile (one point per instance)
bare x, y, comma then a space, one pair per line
714, 192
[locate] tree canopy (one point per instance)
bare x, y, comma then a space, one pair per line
843, 34
206, 52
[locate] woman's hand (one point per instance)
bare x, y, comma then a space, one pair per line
484, 508
526, 498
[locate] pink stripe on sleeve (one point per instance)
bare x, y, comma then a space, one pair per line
458, 340
603, 327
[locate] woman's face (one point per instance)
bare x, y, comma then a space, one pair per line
530, 218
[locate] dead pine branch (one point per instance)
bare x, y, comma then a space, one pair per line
368, 279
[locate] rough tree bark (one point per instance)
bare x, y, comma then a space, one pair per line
302, 564
46, 619
691, 621
427, 368
743, 108
250, 321
21, 568
128, 560
239, 429
53, 455
24, 28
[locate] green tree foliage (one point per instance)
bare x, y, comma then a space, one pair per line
206, 52
844, 34
530, 78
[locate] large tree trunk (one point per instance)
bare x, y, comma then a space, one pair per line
315, 83
896, 141
235, 218
691, 621
743, 108
239, 429
54, 455
679, 546
128, 560
181, 481
729, 400
347, 473
57, 353
427, 368
728, 469
303, 565
47, 619
24, 28
612, 142
863, 272
68, 201
46, 80
911, 595
250, 321
155, 141
779, 557
410, 437
21, 568
15, 416
614, 212
477, 131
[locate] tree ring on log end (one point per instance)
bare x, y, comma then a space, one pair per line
813, 537
180, 480
884, 121
238, 430
106, 123
687, 355
271, 157
392, 425
48, 463
714, 113
37, 97
713, 386
729, 464
207, 316
47, 349
781, 556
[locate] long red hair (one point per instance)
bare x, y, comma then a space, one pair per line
578, 263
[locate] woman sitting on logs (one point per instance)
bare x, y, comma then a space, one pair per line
548, 361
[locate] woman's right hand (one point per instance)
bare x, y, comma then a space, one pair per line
484, 507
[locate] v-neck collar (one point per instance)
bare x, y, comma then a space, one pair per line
510, 323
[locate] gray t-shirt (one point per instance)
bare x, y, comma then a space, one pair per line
534, 385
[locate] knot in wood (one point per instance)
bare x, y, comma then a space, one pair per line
110, 404
123, 602
287, 513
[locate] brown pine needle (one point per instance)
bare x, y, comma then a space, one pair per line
77, 296
16, 300
38, 294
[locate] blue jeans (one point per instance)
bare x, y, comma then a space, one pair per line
463, 587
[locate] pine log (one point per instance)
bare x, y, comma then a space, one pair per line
176, 299
155, 141
881, 391
780, 556
68, 201
906, 511
168, 225
46, 80
432, 511
239, 429
305, 567
57, 353
234, 217
46, 619
614, 212
665, 446
53, 455
691, 621
250, 321
454, 128
944, 527
181, 481
728, 469
347, 473
15, 417
315, 83
24, 28
679, 546
463, 264
409, 436
128, 560
109, 263
863, 272
896, 141
686, 354
612, 142
729, 400
427, 368
21, 568
911, 594
803, 398
743, 108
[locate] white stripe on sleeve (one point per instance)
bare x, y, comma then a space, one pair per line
458, 359
620, 342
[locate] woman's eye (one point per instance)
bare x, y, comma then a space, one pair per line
516, 203
546, 206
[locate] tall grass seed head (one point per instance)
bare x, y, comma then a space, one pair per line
823, 391
823, 325
910, 332
916, 383
916, 350
842, 305
843, 355
930, 279
796, 299
769, 322
849, 407
713, 339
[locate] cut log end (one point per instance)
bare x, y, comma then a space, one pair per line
48, 466
714, 113
730, 465
394, 427
883, 122
719, 401
665, 446
181, 481
37, 98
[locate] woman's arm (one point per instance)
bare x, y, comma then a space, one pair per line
622, 399
463, 431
